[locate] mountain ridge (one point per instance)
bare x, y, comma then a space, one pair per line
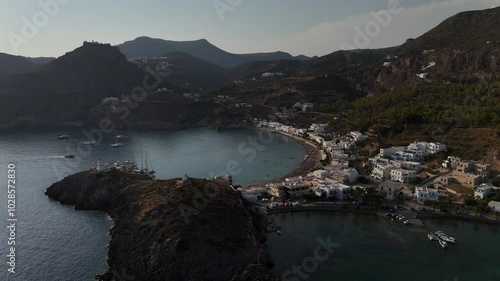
202, 49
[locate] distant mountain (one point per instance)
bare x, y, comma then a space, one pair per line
190, 72
41, 60
66, 88
201, 49
15, 64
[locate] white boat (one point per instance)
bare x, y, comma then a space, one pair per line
443, 244
406, 222
431, 237
120, 137
63, 137
446, 239
89, 142
117, 145
278, 231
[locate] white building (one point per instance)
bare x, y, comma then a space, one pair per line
330, 189
319, 128
403, 176
296, 187
382, 171
307, 107
379, 160
423, 194
253, 194
451, 162
484, 190
390, 188
408, 165
358, 136
495, 206
320, 174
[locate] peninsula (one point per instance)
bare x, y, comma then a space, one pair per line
179, 229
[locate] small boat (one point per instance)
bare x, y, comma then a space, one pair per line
431, 237
443, 244
89, 142
117, 145
278, 231
69, 156
406, 222
63, 137
120, 137
446, 239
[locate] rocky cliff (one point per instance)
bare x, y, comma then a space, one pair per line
171, 230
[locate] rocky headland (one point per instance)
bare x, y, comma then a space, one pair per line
179, 229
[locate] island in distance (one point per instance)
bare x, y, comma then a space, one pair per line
179, 229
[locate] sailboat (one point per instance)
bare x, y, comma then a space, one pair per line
151, 172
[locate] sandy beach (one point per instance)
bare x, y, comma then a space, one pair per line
308, 165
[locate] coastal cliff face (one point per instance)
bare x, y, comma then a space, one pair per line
170, 230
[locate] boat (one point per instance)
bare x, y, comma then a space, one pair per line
446, 239
117, 145
443, 244
63, 137
278, 231
89, 142
431, 237
69, 156
120, 137
406, 222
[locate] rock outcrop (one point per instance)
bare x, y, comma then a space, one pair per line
167, 230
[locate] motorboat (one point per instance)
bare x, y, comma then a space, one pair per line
278, 231
117, 145
443, 244
120, 137
446, 239
407, 222
89, 142
431, 237
63, 137
69, 156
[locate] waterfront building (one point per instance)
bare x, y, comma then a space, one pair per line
484, 190
495, 206
423, 194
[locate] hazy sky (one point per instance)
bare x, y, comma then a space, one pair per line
310, 27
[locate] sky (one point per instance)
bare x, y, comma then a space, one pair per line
38, 28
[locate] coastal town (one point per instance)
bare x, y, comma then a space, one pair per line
402, 177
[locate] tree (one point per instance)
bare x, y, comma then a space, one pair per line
399, 199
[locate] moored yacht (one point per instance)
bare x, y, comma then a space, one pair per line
117, 144
443, 244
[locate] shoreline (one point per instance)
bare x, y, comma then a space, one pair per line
306, 166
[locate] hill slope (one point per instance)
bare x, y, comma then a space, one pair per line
201, 49
66, 88
10, 65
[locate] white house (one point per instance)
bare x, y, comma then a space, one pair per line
408, 165
423, 194
403, 176
330, 189
358, 136
318, 128
495, 206
382, 171
484, 190
306, 107
390, 188
451, 162
320, 174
